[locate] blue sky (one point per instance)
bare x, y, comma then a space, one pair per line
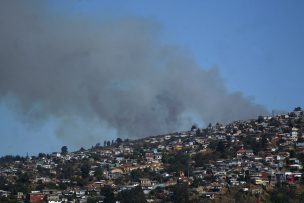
257, 46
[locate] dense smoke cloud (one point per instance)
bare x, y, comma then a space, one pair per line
113, 73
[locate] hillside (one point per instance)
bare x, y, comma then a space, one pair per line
244, 161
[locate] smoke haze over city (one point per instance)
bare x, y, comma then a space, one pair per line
100, 78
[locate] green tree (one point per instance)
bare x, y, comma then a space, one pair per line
23, 182
85, 169
298, 109
67, 171
108, 193
202, 159
118, 140
41, 155
221, 147
92, 199
135, 195
64, 150
178, 162
260, 119
283, 194
136, 175
198, 132
279, 197
99, 173
181, 193
193, 127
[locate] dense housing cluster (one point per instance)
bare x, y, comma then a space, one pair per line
244, 161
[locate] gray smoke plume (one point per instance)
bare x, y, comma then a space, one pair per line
115, 74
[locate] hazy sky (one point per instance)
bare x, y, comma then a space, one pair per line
256, 46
